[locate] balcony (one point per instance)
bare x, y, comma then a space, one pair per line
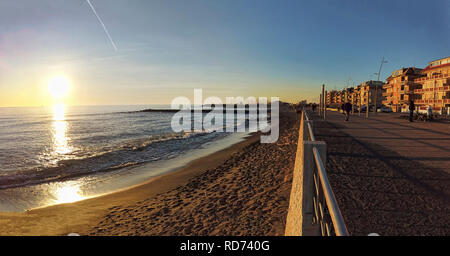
407, 83
423, 79
437, 89
433, 101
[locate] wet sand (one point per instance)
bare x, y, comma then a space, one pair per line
241, 190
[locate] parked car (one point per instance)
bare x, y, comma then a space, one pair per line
385, 109
364, 107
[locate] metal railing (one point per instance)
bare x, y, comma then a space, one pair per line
326, 210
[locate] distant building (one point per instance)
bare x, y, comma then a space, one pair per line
347, 95
434, 89
338, 98
331, 98
372, 88
400, 87
356, 96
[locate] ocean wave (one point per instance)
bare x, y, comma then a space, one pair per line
127, 155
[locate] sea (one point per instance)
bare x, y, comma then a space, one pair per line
61, 154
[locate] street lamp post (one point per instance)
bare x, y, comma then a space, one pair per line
376, 87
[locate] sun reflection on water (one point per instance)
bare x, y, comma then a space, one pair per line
68, 193
59, 125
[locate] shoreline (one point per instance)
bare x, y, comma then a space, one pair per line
245, 195
80, 216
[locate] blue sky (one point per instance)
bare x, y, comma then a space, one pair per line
229, 48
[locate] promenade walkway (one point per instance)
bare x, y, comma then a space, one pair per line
390, 176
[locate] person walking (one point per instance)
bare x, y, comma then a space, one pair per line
429, 112
347, 109
411, 110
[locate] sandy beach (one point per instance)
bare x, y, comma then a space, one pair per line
241, 190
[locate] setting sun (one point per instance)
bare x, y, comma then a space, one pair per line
58, 87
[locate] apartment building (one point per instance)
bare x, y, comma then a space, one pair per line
334, 98
371, 91
330, 97
399, 89
338, 98
347, 95
356, 96
434, 86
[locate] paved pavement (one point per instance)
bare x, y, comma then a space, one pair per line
390, 176
425, 142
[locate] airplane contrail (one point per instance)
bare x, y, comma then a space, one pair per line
103, 25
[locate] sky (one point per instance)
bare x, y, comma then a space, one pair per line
166, 48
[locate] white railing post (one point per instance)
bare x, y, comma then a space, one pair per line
323, 100
325, 106
308, 228
310, 161
320, 104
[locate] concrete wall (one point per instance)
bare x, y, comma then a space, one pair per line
300, 213
294, 218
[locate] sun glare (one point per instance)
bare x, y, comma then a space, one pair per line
69, 193
58, 87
